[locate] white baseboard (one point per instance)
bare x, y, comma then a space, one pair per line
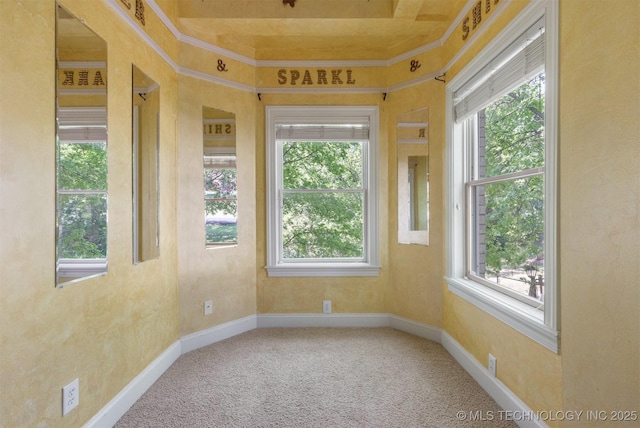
118, 406
505, 398
322, 320
417, 329
215, 334
122, 402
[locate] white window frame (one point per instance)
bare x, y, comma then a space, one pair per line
277, 266
543, 327
81, 125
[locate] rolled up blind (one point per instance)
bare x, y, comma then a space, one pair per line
324, 132
520, 61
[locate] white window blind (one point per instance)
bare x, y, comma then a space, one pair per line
330, 132
520, 61
82, 124
220, 157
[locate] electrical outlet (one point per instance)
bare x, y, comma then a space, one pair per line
492, 365
208, 307
326, 306
70, 397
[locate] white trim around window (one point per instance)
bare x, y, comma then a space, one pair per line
542, 327
333, 117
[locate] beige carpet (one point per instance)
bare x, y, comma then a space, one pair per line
315, 377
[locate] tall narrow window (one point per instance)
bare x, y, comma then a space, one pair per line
322, 191
501, 184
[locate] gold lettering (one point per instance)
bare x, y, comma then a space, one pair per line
465, 28
97, 79
68, 79
306, 80
140, 11
282, 76
83, 78
335, 77
477, 14
295, 75
350, 81
322, 77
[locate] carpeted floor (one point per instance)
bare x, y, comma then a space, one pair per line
316, 377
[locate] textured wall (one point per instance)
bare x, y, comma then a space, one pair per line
103, 330
225, 275
305, 295
600, 205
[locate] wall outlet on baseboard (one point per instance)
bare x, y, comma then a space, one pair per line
492, 365
70, 397
208, 307
326, 306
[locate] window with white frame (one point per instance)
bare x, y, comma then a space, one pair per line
501, 183
322, 191
81, 187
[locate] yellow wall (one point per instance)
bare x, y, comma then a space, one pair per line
225, 275
600, 205
305, 295
105, 330
102, 330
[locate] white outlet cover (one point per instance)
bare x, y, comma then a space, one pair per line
492, 365
326, 306
70, 397
208, 307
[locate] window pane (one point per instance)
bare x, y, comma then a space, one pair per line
322, 165
82, 166
508, 234
82, 226
221, 223
514, 131
323, 225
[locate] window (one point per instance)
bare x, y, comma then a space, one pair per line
501, 183
220, 195
81, 205
322, 191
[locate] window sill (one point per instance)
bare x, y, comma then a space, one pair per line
80, 268
518, 315
322, 269
221, 245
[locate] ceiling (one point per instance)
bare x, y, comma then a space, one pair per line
317, 29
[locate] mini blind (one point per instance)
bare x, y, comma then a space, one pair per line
520, 61
220, 157
82, 124
324, 132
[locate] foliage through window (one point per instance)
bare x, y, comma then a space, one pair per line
323, 197
501, 176
322, 191
81, 183
506, 193
220, 195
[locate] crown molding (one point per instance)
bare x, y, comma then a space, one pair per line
303, 63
